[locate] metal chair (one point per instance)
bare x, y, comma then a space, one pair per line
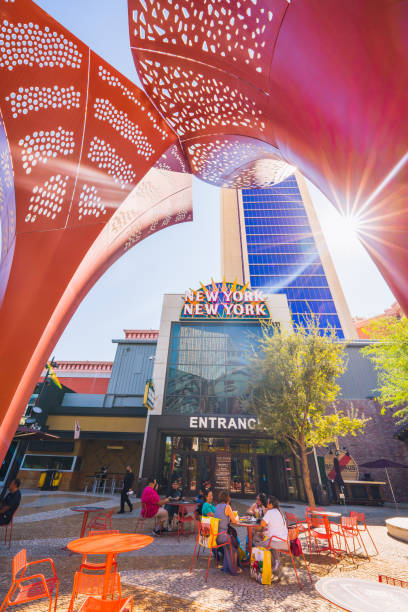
107, 605
101, 522
184, 519
92, 584
207, 538
320, 530
6, 529
141, 519
362, 527
293, 534
393, 581
23, 591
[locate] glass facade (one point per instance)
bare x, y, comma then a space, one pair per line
208, 367
282, 252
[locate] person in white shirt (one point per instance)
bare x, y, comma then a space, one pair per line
274, 524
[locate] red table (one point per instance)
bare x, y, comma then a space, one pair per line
109, 545
86, 510
249, 525
326, 513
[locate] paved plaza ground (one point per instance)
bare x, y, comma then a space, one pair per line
158, 576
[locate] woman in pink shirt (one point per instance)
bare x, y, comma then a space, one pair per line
152, 505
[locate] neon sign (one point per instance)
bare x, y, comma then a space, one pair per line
224, 301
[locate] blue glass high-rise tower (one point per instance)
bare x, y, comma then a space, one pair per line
271, 237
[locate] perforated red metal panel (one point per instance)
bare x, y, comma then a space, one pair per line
322, 85
81, 136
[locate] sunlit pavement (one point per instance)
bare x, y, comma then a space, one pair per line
158, 576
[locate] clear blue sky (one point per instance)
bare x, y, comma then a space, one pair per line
129, 295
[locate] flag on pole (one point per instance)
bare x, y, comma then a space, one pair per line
77, 430
53, 376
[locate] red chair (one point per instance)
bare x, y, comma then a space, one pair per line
362, 527
184, 519
141, 519
23, 591
92, 584
293, 520
107, 605
393, 581
293, 533
90, 565
7, 527
320, 530
207, 538
102, 521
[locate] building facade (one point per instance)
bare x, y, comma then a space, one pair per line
112, 421
272, 239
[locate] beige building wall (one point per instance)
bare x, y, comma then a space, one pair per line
231, 252
234, 251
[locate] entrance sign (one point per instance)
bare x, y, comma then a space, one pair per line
224, 301
228, 423
348, 467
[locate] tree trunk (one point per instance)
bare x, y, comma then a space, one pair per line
306, 477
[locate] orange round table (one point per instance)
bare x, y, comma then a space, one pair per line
109, 545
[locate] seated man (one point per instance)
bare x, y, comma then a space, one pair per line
11, 502
175, 493
152, 505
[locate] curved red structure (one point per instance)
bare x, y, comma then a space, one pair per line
320, 85
80, 136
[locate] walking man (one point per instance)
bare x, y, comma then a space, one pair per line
127, 486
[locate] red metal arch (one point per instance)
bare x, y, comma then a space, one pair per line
81, 136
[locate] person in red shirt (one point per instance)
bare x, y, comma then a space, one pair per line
152, 505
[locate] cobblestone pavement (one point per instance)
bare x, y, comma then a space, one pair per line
158, 576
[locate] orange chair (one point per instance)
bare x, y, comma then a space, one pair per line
393, 581
206, 538
320, 530
184, 519
363, 527
293, 520
102, 521
90, 565
7, 527
293, 533
349, 530
23, 591
92, 584
141, 519
107, 605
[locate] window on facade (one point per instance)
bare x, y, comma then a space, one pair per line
208, 367
50, 462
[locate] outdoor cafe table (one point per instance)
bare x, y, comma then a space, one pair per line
109, 545
249, 524
326, 513
355, 595
86, 510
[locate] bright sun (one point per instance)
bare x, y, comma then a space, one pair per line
342, 230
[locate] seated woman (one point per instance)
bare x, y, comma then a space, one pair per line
223, 511
208, 508
258, 508
152, 505
274, 524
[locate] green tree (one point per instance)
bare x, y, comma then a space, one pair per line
390, 359
294, 387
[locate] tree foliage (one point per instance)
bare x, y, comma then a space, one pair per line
294, 387
390, 359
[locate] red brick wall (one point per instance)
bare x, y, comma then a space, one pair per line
377, 443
